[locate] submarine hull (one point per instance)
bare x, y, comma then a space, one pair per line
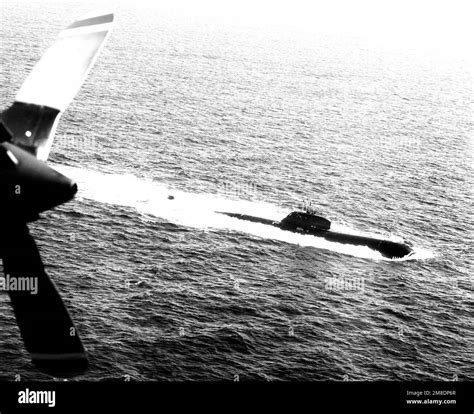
387, 248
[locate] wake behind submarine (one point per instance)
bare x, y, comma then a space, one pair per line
307, 222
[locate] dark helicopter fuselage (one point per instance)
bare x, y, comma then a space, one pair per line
308, 223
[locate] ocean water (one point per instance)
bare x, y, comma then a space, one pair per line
253, 120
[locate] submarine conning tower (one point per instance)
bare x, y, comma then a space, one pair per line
305, 221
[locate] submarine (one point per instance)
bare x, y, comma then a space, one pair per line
307, 222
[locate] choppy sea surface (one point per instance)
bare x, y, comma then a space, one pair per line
253, 120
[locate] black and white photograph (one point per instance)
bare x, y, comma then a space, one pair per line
236, 193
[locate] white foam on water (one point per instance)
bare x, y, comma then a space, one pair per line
199, 210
